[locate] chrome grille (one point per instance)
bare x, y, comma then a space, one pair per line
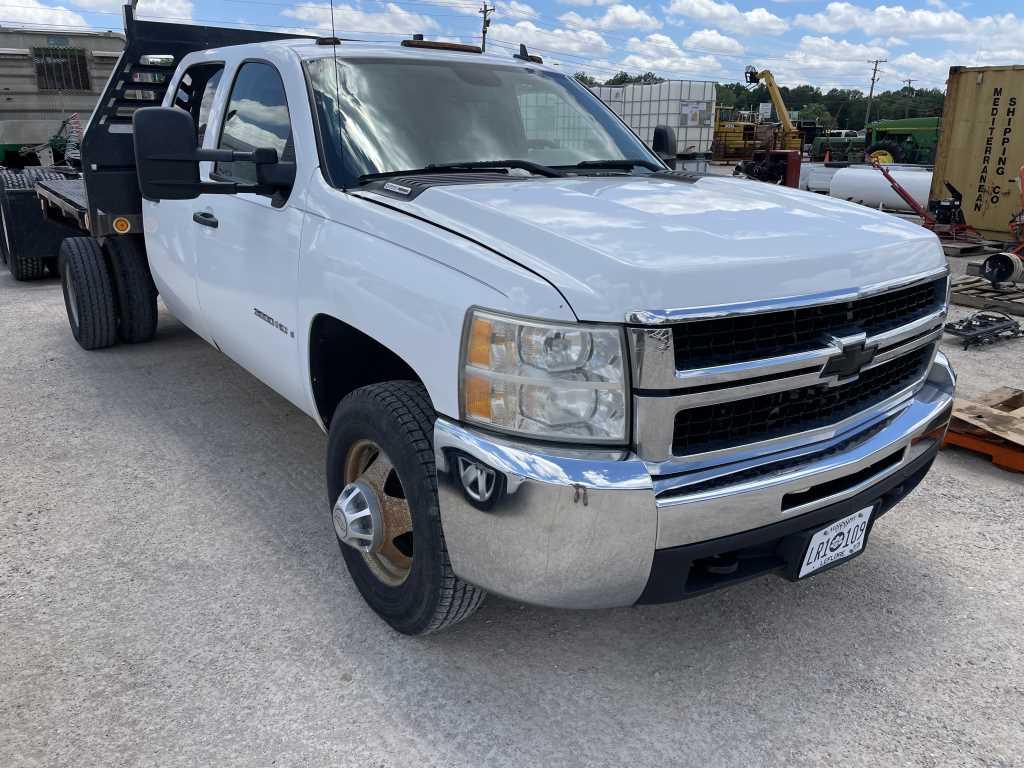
764, 417
742, 338
741, 382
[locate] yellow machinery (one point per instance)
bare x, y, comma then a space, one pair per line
790, 137
735, 134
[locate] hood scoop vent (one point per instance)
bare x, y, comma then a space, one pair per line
411, 186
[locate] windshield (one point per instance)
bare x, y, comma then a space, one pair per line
387, 115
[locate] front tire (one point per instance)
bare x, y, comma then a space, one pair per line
381, 444
88, 293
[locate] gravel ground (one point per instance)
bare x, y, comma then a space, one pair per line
171, 594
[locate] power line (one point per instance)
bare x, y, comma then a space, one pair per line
453, 4
486, 11
871, 93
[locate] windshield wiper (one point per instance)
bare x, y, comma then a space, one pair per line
526, 165
625, 165
472, 165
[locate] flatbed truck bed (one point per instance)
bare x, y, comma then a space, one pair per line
65, 198
41, 207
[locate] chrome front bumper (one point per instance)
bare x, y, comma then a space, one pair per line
580, 528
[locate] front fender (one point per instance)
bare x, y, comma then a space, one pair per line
407, 284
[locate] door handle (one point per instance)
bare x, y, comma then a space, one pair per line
206, 219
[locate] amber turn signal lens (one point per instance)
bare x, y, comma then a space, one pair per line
480, 342
478, 396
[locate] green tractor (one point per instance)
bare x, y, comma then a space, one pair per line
912, 140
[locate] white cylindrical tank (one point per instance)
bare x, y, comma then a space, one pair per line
817, 177
869, 187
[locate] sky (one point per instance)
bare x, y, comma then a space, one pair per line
826, 44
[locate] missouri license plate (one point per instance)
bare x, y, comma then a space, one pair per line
835, 542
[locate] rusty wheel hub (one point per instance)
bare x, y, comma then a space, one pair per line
372, 514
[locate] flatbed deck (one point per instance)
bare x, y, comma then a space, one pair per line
68, 196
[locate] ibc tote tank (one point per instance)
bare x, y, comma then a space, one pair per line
688, 106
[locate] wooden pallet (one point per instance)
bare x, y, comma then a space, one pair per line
993, 425
978, 292
970, 248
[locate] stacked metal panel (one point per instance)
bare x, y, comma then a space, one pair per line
688, 106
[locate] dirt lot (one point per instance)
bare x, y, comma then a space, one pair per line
171, 594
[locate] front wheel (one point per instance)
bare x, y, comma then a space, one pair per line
382, 484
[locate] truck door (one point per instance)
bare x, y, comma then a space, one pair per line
247, 245
170, 236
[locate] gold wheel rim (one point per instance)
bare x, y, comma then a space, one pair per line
391, 560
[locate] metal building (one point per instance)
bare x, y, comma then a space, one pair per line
47, 76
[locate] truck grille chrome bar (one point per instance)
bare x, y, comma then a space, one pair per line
829, 364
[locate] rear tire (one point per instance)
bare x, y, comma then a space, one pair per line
22, 268
88, 293
397, 416
133, 288
25, 268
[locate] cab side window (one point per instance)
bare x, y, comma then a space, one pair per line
195, 93
256, 118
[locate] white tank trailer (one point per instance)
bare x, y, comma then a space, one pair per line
867, 186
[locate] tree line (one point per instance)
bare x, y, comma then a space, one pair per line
835, 108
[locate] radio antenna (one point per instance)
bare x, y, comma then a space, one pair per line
337, 74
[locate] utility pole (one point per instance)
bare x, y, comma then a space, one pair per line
871, 93
906, 108
486, 10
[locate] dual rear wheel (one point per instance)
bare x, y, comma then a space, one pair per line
109, 292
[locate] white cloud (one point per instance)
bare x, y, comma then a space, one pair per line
758, 21
713, 41
616, 17
659, 53
31, 12
827, 62
978, 37
516, 10
170, 10
392, 20
586, 3
560, 40
883, 19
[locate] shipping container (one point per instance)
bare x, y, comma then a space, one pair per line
688, 106
981, 145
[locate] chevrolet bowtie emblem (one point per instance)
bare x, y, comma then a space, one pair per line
852, 357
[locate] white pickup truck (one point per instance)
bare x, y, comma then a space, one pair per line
549, 367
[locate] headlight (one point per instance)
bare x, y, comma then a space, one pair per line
552, 380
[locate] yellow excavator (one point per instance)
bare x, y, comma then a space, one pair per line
790, 137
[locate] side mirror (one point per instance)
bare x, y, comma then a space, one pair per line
167, 159
165, 153
665, 145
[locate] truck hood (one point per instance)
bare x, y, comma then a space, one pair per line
616, 246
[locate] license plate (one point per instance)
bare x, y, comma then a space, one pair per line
837, 541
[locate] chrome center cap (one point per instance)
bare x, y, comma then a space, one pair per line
357, 517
